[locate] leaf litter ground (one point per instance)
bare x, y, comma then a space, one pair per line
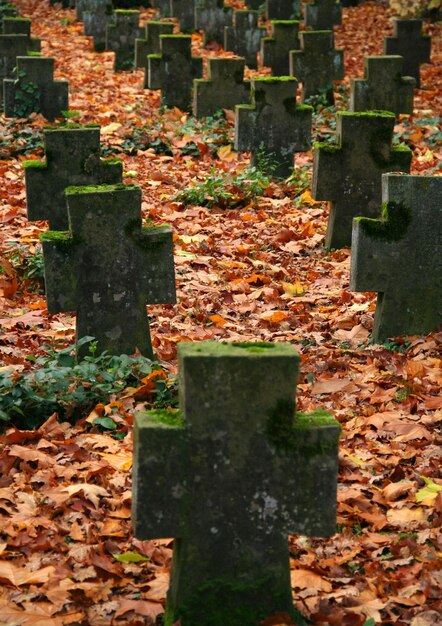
252, 270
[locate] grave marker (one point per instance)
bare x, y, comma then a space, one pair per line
107, 267
11, 46
322, 14
72, 158
275, 49
383, 87
184, 10
173, 71
273, 127
96, 16
163, 7
223, 89
400, 256
348, 172
212, 17
282, 9
254, 5
409, 42
21, 26
317, 64
242, 471
34, 89
120, 38
244, 36
150, 41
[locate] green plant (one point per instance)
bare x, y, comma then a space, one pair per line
57, 383
28, 265
26, 97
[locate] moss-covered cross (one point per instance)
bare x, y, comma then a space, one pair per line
21, 26
121, 34
149, 42
409, 42
276, 48
223, 89
230, 477
322, 14
282, 9
184, 11
11, 46
106, 268
212, 17
244, 36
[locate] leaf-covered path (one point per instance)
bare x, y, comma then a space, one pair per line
246, 270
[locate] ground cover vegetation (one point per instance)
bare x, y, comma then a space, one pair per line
250, 265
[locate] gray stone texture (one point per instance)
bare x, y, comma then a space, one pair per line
163, 7
107, 267
273, 127
21, 26
383, 87
72, 158
322, 14
400, 256
212, 17
34, 89
282, 9
96, 16
317, 64
149, 42
275, 50
254, 5
348, 172
231, 479
409, 42
11, 46
244, 36
120, 38
223, 89
173, 71
184, 10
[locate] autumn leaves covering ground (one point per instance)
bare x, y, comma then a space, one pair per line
246, 269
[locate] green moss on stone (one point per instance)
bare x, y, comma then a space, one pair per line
33, 54
273, 80
254, 346
126, 11
98, 188
320, 417
180, 36
325, 146
168, 417
34, 164
291, 22
374, 113
154, 56
56, 235
392, 226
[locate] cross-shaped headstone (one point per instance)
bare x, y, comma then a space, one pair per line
34, 89
317, 64
11, 46
242, 470
163, 7
400, 256
21, 26
275, 49
184, 11
8, 10
212, 17
322, 14
409, 42
96, 16
383, 87
149, 43
80, 6
244, 36
224, 88
173, 71
72, 158
273, 127
255, 5
106, 268
120, 38
348, 172
282, 9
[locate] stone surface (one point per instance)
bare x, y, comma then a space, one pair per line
107, 267
230, 478
212, 17
400, 256
254, 5
163, 7
275, 49
409, 42
383, 86
184, 10
322, 14
21, 26
72, 158
11, 46
273, 127
120, 38
173, 71
149, 42
244, 36
96, 16
80, 6
348, 172
34, 89
317, 64
223, 89
283, 9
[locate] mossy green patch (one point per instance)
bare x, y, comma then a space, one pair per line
325, 146
169, 417
273, 80
56, 235
98, 188
392, 226
34, 164
286, 22
256, 346
374, 113
126, 11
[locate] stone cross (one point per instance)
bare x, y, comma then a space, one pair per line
322, 14
383, 87
21, 26
244, 36
275, 49
11, 46
184, 11
255, 5
34, 89
317, 64
400, 256
230, 477
348, 172
150, 42
80, 6
273, 127
223, 89
173, 71
106, 268
212, 17
162, 6
282, 9
96, 16
120, 38
72, 158
409, 42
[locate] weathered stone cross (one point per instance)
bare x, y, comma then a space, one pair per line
400, 256
184, 10
275, 49
322, 14
150, 42
21, 26
121, 34
212, 17
96, 15
224, 88
244, 36
409, 42
106, 268
11, 47
282, 9
231, 478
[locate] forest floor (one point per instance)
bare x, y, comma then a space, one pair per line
246, 269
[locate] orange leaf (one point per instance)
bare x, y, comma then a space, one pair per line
218, 320
225, 153
274, 316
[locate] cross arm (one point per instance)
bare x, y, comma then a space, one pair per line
157, 271
197, 67
36, 189
326, 177
60, 272
245, 124
155, 71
